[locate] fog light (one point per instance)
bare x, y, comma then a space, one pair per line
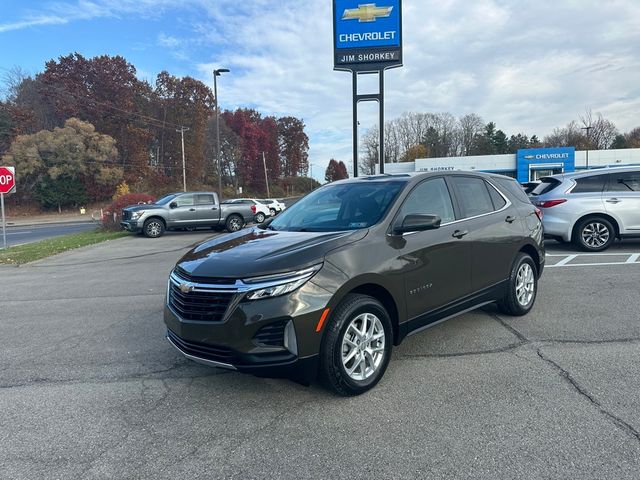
290, 341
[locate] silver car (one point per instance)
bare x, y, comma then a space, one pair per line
591, 208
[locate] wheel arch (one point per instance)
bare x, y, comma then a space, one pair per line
156, 217
534, 254
379, 292
606, 216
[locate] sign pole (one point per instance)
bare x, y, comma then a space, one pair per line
381, 105
4, 225
355, 123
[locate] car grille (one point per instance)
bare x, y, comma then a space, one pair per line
200, 350
126, 215
182, 275
271, 335
199, 305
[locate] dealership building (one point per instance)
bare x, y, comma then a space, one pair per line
526, 165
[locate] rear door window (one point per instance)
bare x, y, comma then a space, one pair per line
473, 196
204, 199
497, 199
591, 184
624, 182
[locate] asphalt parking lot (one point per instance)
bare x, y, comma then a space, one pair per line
89, 387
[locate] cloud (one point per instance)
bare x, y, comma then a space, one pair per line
528, 66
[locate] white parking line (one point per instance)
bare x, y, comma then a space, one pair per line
564, 261
631, 260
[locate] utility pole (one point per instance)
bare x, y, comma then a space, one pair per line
588, 129
311, 177
216, 74
266, 179
184, 165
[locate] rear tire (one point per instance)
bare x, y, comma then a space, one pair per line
522, 288
273, 212
234, 223
260, 217
594, 234
357, 346
153, 228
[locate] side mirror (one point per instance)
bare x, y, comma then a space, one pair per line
417, 223
173, 205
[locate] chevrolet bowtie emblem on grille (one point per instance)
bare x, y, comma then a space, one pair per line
186, 287
367, 12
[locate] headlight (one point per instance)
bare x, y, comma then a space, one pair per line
137, 215
279, 284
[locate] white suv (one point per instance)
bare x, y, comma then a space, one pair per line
591, 208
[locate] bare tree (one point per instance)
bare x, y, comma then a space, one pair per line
600, 133
370, 155
469, 126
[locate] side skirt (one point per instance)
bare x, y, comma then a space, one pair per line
442, 314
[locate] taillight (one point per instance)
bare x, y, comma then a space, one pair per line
253, 209
550, 203
539, 214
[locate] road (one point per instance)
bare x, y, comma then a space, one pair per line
89, 387
17, 235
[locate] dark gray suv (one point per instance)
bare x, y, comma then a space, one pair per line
332, 283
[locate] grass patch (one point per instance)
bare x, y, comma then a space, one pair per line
52, 246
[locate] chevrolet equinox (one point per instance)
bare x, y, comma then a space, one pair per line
329, 286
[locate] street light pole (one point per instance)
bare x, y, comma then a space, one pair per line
217, 73
266, 178
588, 129
184, 165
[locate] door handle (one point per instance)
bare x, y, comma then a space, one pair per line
192, 209
510, 219
214, 208
460, 233
613, 200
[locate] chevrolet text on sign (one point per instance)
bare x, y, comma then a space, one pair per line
367, 36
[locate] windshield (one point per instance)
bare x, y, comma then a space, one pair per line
347, 206
165, 200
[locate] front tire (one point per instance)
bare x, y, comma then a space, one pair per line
594, 234
153, 228
522, 288
357, 346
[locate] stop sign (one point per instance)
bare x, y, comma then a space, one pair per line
7, 179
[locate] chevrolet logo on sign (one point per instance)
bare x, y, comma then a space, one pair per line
367, 12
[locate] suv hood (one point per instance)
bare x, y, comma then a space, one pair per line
256, 252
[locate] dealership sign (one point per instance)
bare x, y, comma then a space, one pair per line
562, 158
367, 36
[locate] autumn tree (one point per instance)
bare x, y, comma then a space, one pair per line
293, 145
336, 170
67, 165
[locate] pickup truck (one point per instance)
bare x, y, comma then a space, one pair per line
185, 210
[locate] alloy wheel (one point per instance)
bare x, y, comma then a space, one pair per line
363, 346
525, 284
595, 234
154, 229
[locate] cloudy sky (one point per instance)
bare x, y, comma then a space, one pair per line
528, 66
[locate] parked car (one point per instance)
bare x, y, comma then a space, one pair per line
274, 205
330, 285
530, 186
259, 209
188, 210
591, 208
